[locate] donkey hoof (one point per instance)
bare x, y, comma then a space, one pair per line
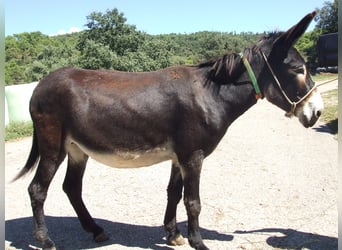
49, 245
176, 240
101, 237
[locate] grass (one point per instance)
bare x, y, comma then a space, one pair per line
324, 77
330, 99
18, 130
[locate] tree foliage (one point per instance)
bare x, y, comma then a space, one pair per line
20, 52
110, 29
110, 43
327, 18
30, 56
95, 55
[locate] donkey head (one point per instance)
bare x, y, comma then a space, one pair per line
288, 81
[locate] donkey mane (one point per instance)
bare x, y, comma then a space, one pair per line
229, 67
225, 69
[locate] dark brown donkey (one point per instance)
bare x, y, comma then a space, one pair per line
129, 120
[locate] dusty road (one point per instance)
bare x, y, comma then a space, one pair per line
270, 184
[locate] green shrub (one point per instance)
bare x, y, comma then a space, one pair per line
18, 130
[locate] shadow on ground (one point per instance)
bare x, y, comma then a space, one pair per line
293, 239
68, 234
330, 128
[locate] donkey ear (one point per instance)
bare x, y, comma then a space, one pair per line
290, 37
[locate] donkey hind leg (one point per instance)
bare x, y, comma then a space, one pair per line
174, 194
47, 167
191, 171
72, 186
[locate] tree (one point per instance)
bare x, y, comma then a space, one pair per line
14, 73
112, 43
327, 18
21, 50
50, 58
306, 45
96, 56
157, 51
110, 29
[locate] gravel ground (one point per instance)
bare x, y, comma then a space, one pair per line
270, 184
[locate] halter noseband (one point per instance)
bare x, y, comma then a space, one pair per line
257, 89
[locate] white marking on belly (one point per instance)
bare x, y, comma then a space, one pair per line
128, 159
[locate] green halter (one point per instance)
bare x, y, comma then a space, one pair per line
251, 74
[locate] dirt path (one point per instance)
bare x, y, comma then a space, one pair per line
270, 184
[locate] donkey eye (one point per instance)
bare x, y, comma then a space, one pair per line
299, 70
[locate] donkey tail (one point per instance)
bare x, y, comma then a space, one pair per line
32, 160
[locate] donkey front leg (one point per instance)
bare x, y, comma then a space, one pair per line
191, 172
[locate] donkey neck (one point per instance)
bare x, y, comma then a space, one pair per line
230, 82
237, 99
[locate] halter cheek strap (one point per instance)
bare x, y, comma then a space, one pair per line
251, 74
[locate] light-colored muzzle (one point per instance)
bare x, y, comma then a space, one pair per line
310, 109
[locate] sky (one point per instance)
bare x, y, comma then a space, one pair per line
158, 16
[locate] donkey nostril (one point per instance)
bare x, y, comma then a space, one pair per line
318, 113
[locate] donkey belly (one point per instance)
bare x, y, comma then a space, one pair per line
133, 159
119, 158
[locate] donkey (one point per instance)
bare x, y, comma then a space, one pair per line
129, 120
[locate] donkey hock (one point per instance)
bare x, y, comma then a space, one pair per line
137, 119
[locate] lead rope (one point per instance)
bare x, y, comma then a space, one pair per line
322, 83
293, 104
